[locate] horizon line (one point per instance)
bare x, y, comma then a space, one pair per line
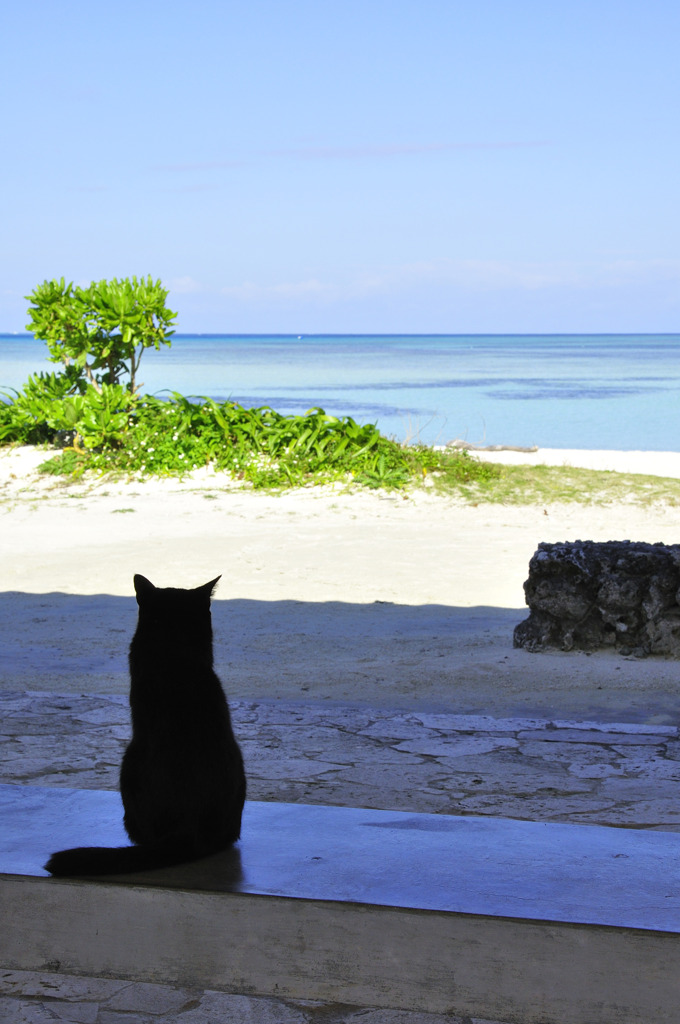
397, 334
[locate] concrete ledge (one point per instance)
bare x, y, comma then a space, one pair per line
480, 917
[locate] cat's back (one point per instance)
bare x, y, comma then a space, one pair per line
182, 738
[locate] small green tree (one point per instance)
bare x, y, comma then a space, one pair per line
102, 329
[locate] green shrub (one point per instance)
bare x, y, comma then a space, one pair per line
51, 402
35, 413
101, 331
152, 436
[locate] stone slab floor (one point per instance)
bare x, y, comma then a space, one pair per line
32, 998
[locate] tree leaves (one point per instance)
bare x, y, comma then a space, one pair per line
102, 328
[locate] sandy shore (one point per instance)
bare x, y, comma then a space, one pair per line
649, 463
328, 595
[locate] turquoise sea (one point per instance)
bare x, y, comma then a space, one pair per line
556, 391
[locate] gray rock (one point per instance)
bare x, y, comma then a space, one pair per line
584, 595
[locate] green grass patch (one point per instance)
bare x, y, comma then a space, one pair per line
545, 485
447, 474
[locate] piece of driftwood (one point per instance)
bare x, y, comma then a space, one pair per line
467, 447
584, 595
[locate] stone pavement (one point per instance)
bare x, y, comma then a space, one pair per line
324, 752
32, 998
353, 755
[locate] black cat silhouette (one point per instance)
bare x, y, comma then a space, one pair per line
182, 779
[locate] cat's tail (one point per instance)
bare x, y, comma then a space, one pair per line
112, 860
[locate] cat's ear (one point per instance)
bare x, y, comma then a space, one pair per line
208, 588
143, 587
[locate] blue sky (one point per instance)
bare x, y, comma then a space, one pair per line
320, 166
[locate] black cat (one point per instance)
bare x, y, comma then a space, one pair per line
182, 779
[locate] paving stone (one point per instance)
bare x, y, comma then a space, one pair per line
75, 1013
120, 1017
147, 998
295, 769
641, 814
665, 792
377, 780
516, 775
577, 808
621, 727
594, 771
401, 727
221, 1006
571, 753
479, 1020
456, 746
598, 736
477, 723
20, 1011
673, 750
659, 768
402, 1017
57, 986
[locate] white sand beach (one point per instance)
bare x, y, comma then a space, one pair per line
665, 464
325, 594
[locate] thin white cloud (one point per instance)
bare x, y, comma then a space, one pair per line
475, 275
494, 275
184, 285
467, 276
251, 292
200, 165
394, 149
359, 152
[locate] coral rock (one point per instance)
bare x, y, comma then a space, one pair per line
584, 595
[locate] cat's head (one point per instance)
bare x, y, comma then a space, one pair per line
172, 619
145, 589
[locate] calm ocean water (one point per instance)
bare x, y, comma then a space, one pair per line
556, 391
